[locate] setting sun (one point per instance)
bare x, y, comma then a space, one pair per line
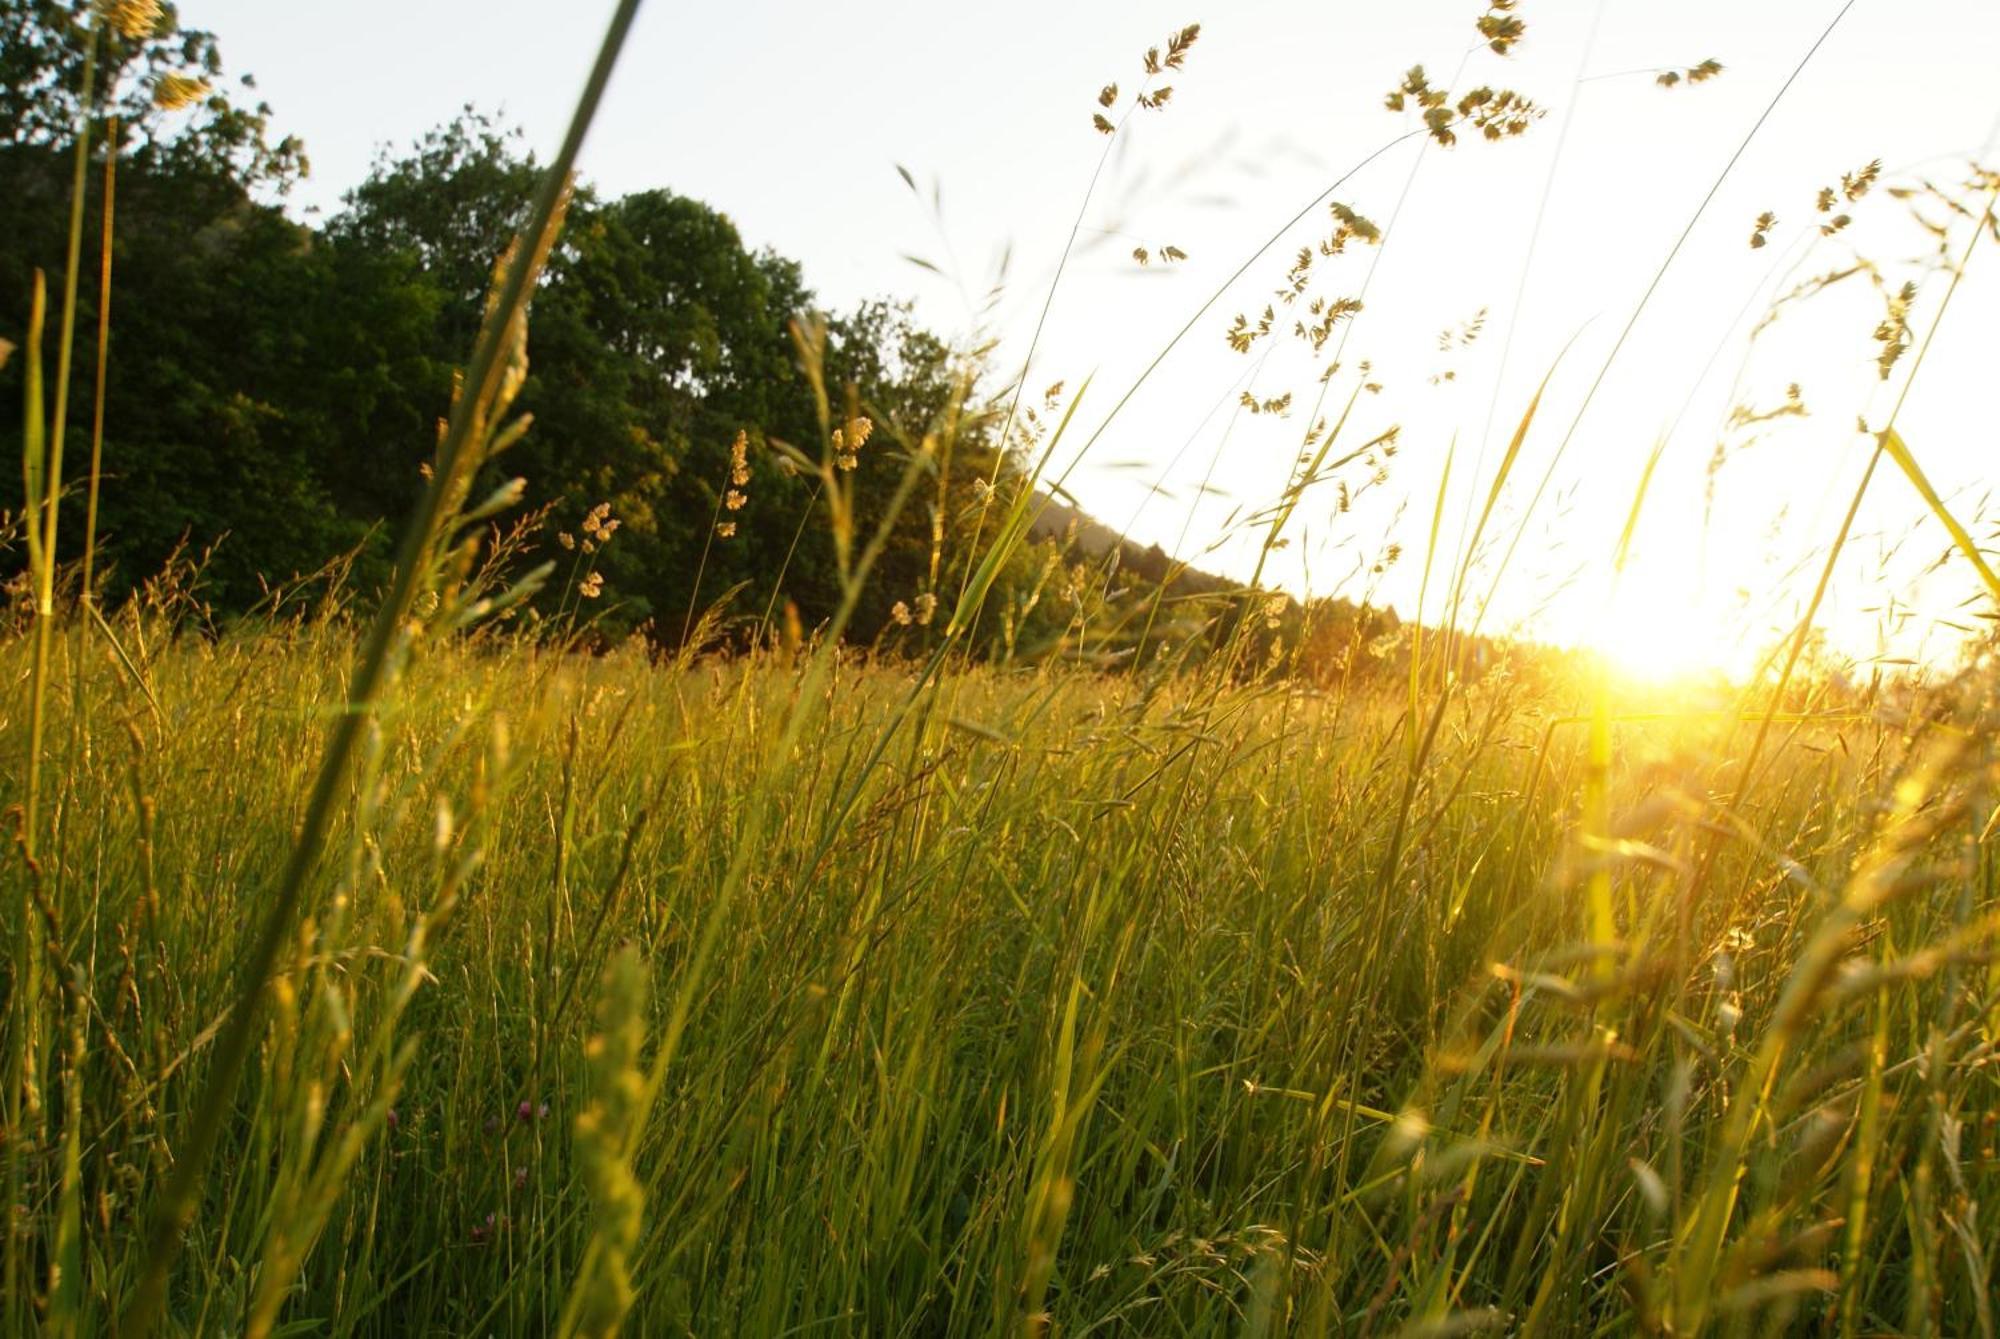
1653, 633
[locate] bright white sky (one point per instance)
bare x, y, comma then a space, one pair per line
792, 117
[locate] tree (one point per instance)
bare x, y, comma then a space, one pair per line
205, 438
163, 83
450, 206
657, 338
270, 396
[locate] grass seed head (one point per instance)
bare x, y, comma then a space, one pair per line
134, 20
176, 91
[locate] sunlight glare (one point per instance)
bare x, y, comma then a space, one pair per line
1655, 630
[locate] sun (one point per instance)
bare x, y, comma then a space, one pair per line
1654, 645
1654, 629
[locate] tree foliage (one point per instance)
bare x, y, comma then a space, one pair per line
275, 387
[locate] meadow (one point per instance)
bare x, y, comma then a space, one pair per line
1159, 1007
426, 959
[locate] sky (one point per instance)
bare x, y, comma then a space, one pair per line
793, 119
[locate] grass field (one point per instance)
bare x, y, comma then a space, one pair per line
1156, 1007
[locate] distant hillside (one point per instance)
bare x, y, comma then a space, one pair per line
1327, 634
1072, 528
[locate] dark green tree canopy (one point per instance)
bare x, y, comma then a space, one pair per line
275, 387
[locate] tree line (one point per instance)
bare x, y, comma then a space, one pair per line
274, 385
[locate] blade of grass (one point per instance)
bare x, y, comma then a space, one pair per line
1899, 451
456, 453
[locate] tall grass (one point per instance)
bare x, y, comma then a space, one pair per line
1061, 1019
431, 979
